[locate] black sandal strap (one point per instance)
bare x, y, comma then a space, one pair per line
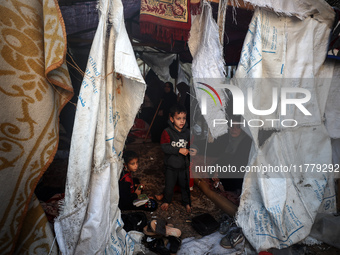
160, 227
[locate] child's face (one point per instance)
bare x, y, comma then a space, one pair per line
167, 88
179, 120
132, 166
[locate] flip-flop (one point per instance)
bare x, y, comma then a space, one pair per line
170, 231
159, 227
155, 228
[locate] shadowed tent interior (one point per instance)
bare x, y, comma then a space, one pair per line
81, 20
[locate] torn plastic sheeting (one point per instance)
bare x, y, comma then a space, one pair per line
160, 63
207, 245
269, 56
278, 209
299, 8
332, 111
208, 65
90, 221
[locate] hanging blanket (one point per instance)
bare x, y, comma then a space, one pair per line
165, 20
208, 66
35, 85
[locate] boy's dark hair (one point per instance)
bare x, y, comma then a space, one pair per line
129, 155
170, 84
177, 108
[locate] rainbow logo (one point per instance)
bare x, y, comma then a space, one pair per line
209, 93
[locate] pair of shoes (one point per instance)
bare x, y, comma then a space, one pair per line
160, 228
227, 224
233, 238
150, 205
156, 245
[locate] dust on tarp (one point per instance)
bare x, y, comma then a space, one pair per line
278, 209
110, 96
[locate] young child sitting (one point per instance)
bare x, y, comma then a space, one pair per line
130, 188
175, 144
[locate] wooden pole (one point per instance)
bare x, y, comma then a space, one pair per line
177, 66
160, 102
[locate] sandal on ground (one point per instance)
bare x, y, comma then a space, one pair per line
156, 245
233, 238
175, 243
159, 227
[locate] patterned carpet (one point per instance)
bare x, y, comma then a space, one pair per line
35, 86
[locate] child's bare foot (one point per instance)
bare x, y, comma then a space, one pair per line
188, 208
159, 197
165, 206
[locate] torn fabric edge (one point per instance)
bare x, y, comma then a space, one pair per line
208, 65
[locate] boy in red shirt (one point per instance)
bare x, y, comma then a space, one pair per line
175, 144
130, 188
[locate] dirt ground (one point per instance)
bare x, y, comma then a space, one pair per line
151, 174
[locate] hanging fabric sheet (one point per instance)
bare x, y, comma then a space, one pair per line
165, 20
208, 65
35, 86
160, 63
332, 111
110, 96
278, 208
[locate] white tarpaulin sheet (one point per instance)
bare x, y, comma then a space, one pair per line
278, 209
208, 65
160, 64
301, 9
110, 96
209, 244
332, 114
332, 111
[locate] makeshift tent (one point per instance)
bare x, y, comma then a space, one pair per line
21, 172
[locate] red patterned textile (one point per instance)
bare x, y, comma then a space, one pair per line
165, 20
